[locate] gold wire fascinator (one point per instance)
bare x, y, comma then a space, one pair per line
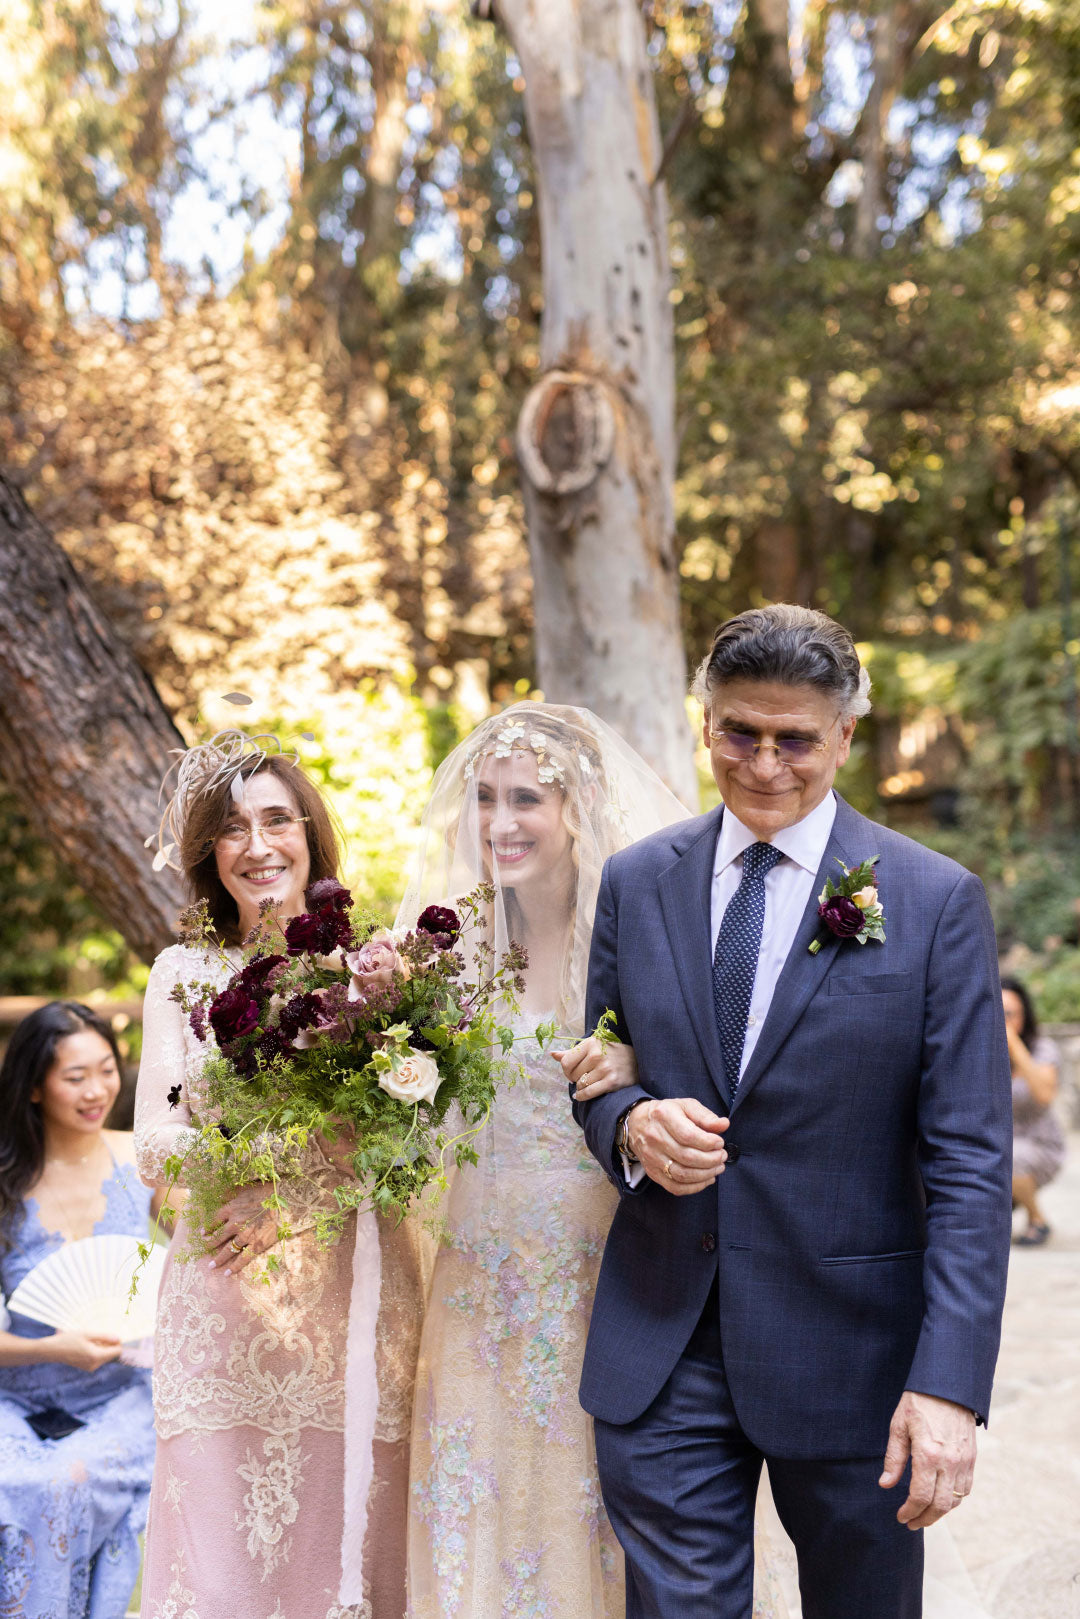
204, 768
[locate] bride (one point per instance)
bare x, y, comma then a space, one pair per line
506, 1516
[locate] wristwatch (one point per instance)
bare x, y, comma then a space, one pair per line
622, 1133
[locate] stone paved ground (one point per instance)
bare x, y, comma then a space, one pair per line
1012, 1551
1019, 1534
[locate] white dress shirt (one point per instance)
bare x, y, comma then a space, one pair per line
788, 887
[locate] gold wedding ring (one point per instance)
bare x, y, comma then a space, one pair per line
962, 1494
667, 1168
237, 1247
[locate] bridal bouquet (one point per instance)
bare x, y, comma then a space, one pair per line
336, 1034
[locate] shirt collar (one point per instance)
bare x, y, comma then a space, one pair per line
804, 843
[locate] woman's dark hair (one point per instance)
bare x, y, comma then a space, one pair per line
1029, 1030
210, 812
30, 1054
793, 646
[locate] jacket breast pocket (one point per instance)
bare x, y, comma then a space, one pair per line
870, 984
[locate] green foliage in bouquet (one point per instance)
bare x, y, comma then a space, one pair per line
340, 1051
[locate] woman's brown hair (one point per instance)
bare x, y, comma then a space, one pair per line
210, 812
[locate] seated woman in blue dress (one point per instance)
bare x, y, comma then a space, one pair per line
76, 1425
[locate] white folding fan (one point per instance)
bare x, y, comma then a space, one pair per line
85, 1287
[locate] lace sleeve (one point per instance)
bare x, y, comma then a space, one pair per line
162, 1128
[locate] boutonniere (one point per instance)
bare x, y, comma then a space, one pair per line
850, 908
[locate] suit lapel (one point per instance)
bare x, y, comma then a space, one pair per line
686, 899
802, 973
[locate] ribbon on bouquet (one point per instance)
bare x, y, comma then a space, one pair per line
361, 1404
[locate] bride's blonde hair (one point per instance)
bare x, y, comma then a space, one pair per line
569, 760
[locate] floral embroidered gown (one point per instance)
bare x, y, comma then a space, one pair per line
506, 1517
247, 1506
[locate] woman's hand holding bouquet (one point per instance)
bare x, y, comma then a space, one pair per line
340, 1050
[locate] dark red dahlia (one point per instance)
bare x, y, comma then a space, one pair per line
272, 1044
842, 916
258, 974
443, 924
318, 932
328, 895
301, 1011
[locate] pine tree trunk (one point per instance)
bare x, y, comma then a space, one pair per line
596, 438
84, 738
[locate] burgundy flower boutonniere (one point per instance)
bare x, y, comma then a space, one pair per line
850, 908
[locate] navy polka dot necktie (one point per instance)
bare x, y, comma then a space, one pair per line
736, 958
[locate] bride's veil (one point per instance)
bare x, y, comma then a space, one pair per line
611, 798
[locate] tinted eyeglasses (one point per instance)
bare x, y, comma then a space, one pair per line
740, 746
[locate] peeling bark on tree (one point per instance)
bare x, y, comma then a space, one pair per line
84, 738
597, 434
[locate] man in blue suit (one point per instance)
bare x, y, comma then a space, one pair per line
807, 1264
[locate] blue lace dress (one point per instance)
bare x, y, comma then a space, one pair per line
71, 1509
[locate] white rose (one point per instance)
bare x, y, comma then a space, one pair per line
415, 1079
865, 897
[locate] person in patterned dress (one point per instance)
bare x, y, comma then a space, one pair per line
76, 1421
506, 1517
249, 1514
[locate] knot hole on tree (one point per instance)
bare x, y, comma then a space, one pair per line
566, 432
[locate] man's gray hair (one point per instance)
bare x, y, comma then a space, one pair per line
792, 646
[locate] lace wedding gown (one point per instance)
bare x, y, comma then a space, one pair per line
247, 1506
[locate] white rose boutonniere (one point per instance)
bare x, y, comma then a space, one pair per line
415, 1078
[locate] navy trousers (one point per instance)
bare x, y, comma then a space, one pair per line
680, 1485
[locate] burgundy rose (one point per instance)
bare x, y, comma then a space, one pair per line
233, 1013
841, 916
328, 895
443, 924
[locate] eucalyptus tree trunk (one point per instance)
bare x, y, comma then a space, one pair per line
84, 737
596, 436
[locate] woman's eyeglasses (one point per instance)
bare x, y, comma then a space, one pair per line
740, 746
237, 835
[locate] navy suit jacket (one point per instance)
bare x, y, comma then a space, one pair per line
862, 1225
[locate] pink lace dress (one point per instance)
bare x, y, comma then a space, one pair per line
248, 1505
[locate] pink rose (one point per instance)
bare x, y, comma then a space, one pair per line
373, 967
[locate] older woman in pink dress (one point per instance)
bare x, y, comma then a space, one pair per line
250, 1514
